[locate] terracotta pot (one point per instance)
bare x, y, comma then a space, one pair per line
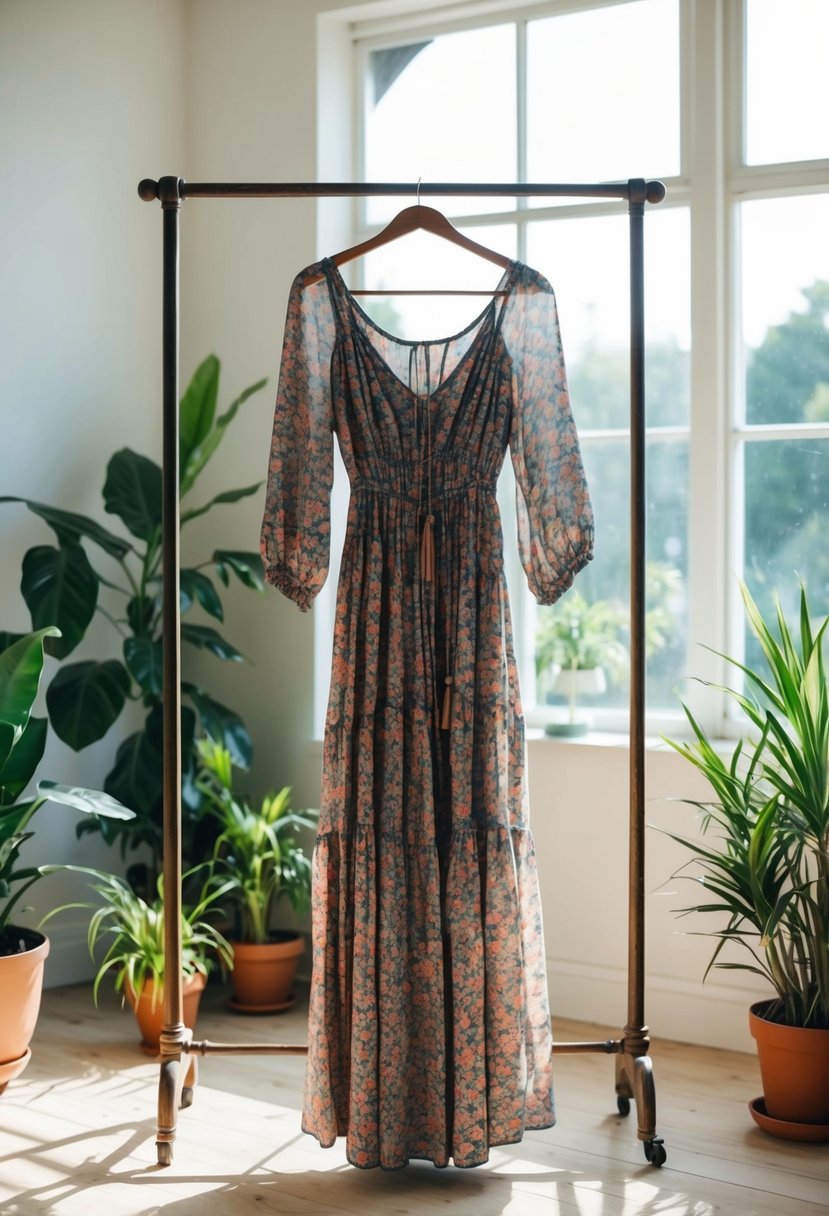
21, 983
149, 1009
262, 974
794, 1065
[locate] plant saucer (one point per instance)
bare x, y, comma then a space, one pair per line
281, 1007
817, 1133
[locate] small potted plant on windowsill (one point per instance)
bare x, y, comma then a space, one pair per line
578, 642
763, 853
23, 952
259, 862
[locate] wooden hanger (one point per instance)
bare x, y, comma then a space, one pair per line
412, 219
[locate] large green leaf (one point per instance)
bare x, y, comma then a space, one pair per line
198, 408
20, 668
7, 738
84, 699
92, 802
132, 491
69, 527
200, 455
226, 496
136, 778
223, 725
205, 638
140, 612
21, 764
247, 566
197, 586
60, 588
143, 659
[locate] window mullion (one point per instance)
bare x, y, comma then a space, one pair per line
708, 490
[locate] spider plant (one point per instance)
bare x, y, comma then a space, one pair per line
764, 843
134, 931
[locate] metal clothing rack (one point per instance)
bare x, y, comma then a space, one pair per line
179, 1052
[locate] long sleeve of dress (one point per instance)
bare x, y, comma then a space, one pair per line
296, 527
555, 516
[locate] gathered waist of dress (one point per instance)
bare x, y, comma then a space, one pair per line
412, 497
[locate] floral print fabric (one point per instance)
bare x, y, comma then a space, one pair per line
429, 1027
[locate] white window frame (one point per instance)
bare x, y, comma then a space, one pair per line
712, 182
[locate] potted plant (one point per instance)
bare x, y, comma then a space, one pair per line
134, 932
764, 859
258, 861
577, 642
23, 952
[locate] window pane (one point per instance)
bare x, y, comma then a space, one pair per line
587, 262
787, 86
606, 580
785, 308
786, 525
603, 94
444, 111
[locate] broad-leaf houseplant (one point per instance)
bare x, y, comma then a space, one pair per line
92, 569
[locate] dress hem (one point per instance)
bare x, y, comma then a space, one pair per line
440, 1165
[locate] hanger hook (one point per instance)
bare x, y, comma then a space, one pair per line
419, 180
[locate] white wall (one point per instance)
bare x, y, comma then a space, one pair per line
91, 100
218, 91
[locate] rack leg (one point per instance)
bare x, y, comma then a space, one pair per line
634, 1080
176, 1080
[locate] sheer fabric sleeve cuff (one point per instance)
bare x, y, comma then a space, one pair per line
551, 582
301, 594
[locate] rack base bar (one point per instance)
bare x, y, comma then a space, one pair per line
607, 1046
204, 1047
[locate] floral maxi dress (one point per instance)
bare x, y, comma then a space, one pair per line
429, 1029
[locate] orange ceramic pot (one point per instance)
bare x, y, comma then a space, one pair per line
149, 1009
263, 973
794, 1065
21, 984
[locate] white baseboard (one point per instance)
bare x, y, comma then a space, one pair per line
713, 1014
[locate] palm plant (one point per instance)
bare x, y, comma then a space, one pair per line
764, 847
257, 859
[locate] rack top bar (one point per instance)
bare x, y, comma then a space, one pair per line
168, 189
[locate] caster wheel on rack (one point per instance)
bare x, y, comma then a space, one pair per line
623, 1105
186, 1097
655, 1151
165, 1153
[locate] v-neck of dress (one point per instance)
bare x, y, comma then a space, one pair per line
482, 321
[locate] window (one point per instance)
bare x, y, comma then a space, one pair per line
737, 422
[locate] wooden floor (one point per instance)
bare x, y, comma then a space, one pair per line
77, 1136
